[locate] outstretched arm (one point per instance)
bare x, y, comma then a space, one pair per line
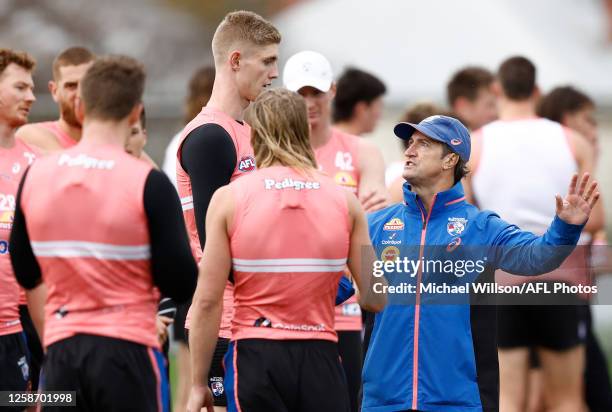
524, 253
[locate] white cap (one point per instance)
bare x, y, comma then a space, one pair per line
307, 68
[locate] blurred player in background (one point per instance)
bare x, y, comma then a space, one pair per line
215, 147
353, 163
69, 67
544, 149
16, 99
283, 355
198, 93
99, 329
470, 96
576, 110
358, 104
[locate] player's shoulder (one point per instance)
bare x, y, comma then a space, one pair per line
37, 136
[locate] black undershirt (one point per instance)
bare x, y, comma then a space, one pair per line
173, 267
208, 155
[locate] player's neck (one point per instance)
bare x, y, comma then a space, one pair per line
516, 110
427, 191
226, 98
320, 135
106, 132
349, 127
74, 132
7, 136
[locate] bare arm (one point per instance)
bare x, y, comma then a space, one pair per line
208, 299
585, 159
361, 258
373, 193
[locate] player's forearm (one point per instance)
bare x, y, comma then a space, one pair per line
523, 253
203, 335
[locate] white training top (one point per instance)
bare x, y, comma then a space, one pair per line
169, 166
523, 164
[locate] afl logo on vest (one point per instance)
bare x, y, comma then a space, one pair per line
246, 164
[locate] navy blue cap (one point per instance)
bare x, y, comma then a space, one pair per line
444, 129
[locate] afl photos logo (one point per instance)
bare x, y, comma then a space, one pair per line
246, 164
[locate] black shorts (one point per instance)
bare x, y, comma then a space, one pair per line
178, 327
107, 374
33, 344
285, 375
14, 363
554, 327
349, 348
216, 375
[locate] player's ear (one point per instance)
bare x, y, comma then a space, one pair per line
234, 60
52, 86
497, 88
332, 90
134, 116
450, 161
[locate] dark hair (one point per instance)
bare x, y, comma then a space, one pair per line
355, 86
467, 82
200, 89
112, 86
561, 101
21, 59
461, 169
72, 56
517, 76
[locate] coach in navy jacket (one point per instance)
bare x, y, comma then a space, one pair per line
434, 351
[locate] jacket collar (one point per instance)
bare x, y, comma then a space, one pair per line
443, 200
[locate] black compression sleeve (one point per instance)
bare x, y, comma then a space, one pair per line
172, 264
26, 268
208, 155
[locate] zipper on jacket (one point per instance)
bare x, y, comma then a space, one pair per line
417, 306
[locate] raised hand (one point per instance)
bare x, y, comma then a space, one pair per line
576, 207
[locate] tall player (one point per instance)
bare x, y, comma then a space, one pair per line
16, 98
99, 330
215, 147
69, 67
283, 355
353, 163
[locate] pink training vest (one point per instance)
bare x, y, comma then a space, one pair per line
13, 163
339, 159
289, 243
88, 228
245, 162
62, 137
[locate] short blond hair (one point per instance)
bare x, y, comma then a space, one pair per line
242, 26
279, 130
